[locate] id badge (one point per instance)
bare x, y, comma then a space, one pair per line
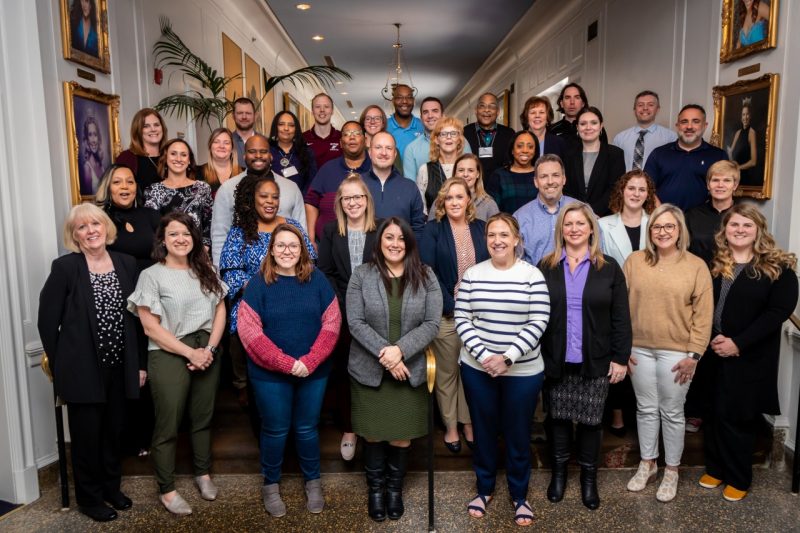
485, 151
288, 172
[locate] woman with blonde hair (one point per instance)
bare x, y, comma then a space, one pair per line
755, 291
672, 304
447, 144
586, 345
222, 163
469, 167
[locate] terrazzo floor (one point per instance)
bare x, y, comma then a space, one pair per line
769, 507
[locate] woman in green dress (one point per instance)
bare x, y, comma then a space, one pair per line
394, 306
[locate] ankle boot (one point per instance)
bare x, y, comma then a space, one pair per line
397, 463
560, 439
589, 439
375, 467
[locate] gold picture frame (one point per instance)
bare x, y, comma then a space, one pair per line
503, 114
91, 51
290, 103
92, 137
744, 125
738, 42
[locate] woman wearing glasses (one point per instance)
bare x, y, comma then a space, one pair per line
373, 120
447, 144
289, 322
672, 305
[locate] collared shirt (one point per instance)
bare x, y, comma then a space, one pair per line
325, 149
537, 226
657, 135
575, 282
418, 153
238, 142
404, 136
680, 175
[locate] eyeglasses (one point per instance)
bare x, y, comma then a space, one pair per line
281, 247
352, 133
448, 134
373, 119
355, 198
669, 228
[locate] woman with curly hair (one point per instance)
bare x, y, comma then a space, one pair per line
447, 144
291, 156
255, 216
755, 291
180, 303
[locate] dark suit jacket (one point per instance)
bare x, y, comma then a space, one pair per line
607, 334
500, 146
553, 144
438, 250
68, 329
754, 312
608, 168
334, 258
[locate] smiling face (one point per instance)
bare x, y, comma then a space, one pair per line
122, 188
430, 113
572, 102
403, 100
537, 118
576, 229
256, 154
152, 131
635, 193
645, 109
455, 202
741, 232
664, 232
523, 150
589, 127
467, 169
286, 251
322, 108
487, 110
267, 201
501, 241
286, 128
90, 234
373, 121
92, 137
354, 201
177, 158
382, 151
178, 240
691, 125
393, 245
721, 187
745, 116
550, 180
222, 147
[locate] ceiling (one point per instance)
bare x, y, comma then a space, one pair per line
444, 41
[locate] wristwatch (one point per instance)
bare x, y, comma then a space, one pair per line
694, 355
212, 349
507, 361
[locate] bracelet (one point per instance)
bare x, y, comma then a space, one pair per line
212, 349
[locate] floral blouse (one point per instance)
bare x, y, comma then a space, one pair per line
195, 200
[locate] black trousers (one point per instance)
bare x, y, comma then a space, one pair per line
95, 431
729, 440
698, 399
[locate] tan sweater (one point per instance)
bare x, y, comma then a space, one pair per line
672, 303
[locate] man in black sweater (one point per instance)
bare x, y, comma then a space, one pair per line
486, 137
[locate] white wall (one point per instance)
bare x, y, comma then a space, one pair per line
671, 47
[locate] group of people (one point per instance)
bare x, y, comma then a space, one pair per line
540, 264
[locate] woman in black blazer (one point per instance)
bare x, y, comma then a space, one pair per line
755, 291
604, 163
91, 342
537, 116
586, 345
353, 229
450, 244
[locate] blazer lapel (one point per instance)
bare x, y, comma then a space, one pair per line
619, 236
343, 251
599, 165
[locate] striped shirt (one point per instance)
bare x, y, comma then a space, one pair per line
503, 312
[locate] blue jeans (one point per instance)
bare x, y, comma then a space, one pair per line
501, 406
291, 403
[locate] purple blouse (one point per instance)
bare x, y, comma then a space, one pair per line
575, 282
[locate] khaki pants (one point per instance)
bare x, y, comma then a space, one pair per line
449, 390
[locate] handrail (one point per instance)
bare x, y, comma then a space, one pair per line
795, 320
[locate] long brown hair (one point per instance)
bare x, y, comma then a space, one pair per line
596, 258
414, 272
163, 171
617, 201
768, 259
209, 172
199, 262
269, 268
137, 125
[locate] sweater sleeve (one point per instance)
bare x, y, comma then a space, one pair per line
781, 303
52, 300
538, 317
463, 317
702, 310
326, 339
259, 347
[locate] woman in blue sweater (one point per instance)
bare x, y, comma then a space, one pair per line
289, 322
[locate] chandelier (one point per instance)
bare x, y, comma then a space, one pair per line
395, 75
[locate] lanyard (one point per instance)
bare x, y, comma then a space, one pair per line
482, 137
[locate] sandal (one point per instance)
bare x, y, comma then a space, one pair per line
523, 511
478, 504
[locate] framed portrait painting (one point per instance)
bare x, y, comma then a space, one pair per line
84, 33
744, 126
503, 116
748, 27
92, 137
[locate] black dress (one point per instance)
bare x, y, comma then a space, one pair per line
741, 154
136, 229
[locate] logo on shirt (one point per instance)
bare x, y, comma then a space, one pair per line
334, 147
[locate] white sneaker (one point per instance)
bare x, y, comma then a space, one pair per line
645, 474
669, 486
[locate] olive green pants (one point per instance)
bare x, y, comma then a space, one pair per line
174, 386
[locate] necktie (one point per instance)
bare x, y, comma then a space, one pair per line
638, 151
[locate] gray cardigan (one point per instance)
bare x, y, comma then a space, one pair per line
368, 318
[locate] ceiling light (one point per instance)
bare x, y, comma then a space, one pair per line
352, 112
339, 82
303, 7
318, 37
395, 75
344, 93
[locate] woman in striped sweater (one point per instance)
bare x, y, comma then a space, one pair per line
501, 312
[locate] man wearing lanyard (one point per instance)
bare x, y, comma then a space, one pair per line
487, 138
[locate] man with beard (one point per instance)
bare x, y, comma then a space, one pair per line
257, 161
323, 138
679, 168
490, 140
244, 116
402, 124
321, 194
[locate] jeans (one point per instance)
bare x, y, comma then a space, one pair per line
659, 402
288, 403
501, 406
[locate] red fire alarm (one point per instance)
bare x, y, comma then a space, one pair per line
158, 76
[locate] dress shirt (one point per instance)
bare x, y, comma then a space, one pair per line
404, 136
575, 281
657, 135
537, 226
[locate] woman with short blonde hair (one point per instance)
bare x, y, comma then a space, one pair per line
447, 144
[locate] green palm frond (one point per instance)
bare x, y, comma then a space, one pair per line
195, 106
322, 74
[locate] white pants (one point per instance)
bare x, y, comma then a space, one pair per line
659, 402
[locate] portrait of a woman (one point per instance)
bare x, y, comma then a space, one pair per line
83, 24
92, 156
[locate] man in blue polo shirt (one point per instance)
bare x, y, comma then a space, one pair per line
679, 168
402, 124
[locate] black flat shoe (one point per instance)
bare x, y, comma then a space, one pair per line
453, 447
119, 501
99, 513
618, 432
470, 444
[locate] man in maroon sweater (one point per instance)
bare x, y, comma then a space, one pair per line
323, 138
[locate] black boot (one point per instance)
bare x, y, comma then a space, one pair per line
397, 463
375, 467
589, 439
560, 440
